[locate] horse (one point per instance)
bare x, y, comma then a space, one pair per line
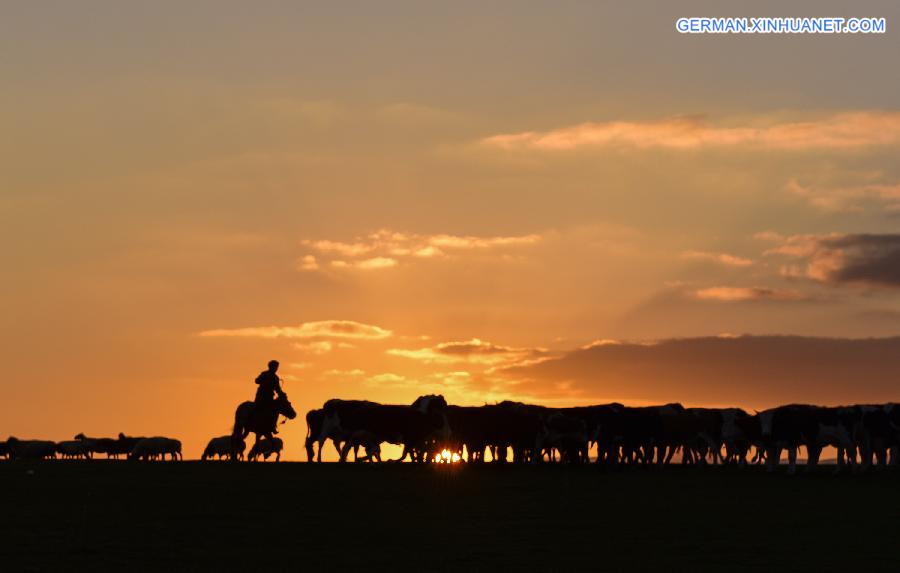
247, 419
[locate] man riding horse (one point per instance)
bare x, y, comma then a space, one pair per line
268, 387
261, 416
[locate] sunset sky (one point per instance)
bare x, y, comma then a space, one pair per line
523, 200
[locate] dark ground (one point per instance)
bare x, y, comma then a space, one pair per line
190, 516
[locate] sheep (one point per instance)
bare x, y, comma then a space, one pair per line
266, 447
98, 446
150, 448
221, 448
30, 449
72, 449
125, 444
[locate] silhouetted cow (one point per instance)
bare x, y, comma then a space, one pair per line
315, 422
814, 427
419, 428
328, 425
566, 433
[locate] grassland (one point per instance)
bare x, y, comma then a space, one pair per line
190, 516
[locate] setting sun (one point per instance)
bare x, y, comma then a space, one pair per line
447, 457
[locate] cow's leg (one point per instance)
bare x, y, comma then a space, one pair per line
671, 454
405, 453
662, 453
773, 456
812, 455
792, 460
345, 450
881, 456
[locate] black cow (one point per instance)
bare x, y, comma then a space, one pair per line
419, 428
328, 426
813, 427
567, 434
470, 429
874, 434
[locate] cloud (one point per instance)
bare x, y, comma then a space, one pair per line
849, 198
355, 373
376, 263
457, 382
720, 258
739, 294
748, 371
470, 242
385, 248
315, 347
474, 350
863, 259
308, 263
843, 131
328, 329
345, 249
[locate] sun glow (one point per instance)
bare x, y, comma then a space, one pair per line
447, 457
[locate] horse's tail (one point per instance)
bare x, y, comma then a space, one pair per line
237, 434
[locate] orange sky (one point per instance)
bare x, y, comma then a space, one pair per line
487, 202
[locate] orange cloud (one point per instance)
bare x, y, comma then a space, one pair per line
737, 294
308, 263
340, 329
469, 242
474, 350
384, 248
720, 258
840, 131
848, 199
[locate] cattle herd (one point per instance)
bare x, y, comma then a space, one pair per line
432, 430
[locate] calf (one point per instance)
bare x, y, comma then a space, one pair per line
266, 447
369, 442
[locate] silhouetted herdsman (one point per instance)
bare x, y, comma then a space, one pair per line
268, 387
261, 416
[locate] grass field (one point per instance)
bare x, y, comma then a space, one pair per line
191, 516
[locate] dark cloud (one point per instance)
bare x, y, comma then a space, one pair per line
750, 371
871, 259
868, 259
